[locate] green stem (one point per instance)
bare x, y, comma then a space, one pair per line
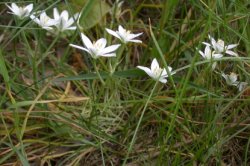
97, 72
118, 58
33, 60
138, 124
48, 49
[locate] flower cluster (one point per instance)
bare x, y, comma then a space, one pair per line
216, 50
98, 48
60, 22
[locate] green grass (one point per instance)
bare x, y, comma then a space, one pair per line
55, 110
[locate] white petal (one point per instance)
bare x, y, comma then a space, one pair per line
15, 8
131, 36
163, 80
70, 22
56, 13
207, 52
111, 48
147, 70
29, 7
101, 42
202, 54
217, 56
170, 69
207, 44
121, 29
109, 55
164, 73
230, 46
86, 41
224, 76
242, 85
135, 41
79, 47
213, 42
231, 53
233, 78
154, 64
65, 15
71, 28
113, 33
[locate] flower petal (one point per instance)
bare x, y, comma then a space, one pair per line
109, 55
213, 42
224, 76
113, 33
111, 48
207, 44
65, 15
29, 7
121, 29
207, 52
231, 53
15, 8
163, 80
79, 47
154, 65
202, 54
132, 36
56, 14
217, 56
164, 73
86, 41
230, 46
71, 28
147, 70
101, 43
135, 41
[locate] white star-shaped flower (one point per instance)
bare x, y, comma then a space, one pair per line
124, 35
209, 55
231, 79
220, 47
156, 72
22, 11
44, 21
63, 20
98, 48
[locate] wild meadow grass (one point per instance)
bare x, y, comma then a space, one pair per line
64, 101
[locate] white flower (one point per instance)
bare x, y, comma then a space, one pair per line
156, 72
209, 54
21, 12
231, 80
242, 85
220, 47
63, 20
124, 35
98, 48
44, 21
117, 9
